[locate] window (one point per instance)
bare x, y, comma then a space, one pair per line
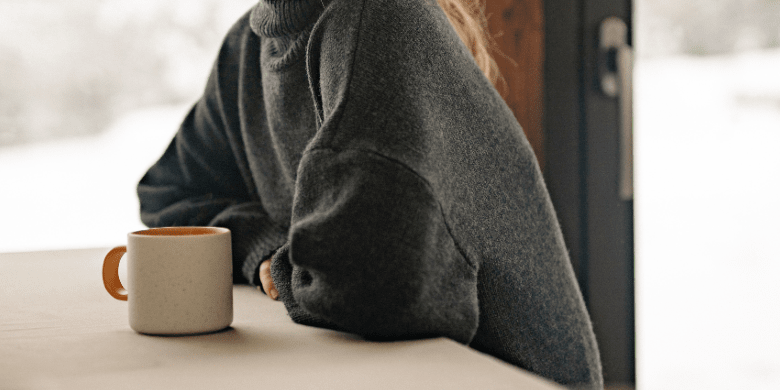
91, 94
707, 126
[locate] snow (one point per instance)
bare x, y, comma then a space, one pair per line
81, 192
707, 167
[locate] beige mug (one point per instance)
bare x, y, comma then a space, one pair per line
180, 280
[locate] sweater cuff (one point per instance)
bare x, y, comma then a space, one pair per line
250, 270
282, 271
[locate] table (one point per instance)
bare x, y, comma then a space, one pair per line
59, 329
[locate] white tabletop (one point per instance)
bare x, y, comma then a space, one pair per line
59, 329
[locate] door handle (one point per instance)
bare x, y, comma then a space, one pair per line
616, 69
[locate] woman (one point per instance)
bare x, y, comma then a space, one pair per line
358, 151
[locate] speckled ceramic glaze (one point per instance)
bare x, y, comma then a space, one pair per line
180, 280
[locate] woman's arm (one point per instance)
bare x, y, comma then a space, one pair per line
370, 253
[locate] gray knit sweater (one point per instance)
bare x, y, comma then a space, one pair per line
358, 143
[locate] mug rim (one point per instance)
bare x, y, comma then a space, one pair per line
180, 231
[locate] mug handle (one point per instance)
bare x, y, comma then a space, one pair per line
111, 273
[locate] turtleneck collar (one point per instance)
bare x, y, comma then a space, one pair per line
275, 18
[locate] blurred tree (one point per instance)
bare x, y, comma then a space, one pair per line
705, 27
70, 68
12, 64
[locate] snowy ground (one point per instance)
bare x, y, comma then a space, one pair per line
81, 192
707, 170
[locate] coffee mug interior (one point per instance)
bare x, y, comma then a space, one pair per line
180, 231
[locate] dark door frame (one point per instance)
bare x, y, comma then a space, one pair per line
581, 169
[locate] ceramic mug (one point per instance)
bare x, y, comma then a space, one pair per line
180, 280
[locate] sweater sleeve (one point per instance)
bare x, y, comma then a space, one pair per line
202, 178
370, 249
371, 254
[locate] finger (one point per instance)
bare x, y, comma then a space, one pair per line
267, 281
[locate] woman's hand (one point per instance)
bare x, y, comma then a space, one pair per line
267, 281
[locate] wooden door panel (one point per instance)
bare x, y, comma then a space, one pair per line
517, 26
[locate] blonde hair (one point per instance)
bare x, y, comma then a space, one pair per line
470, 23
